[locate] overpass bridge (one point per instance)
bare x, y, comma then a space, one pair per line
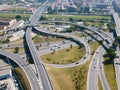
24, 66
117, 22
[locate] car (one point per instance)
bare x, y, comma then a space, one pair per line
51, 49
58, 47
117, 56
77, 62
16, 85
84, 58
55, 45
118, 63
23, 57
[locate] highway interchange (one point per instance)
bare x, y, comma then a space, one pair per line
96, 67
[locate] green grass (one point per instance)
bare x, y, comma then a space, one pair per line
13, 15
18, 9
44, 39
71, 78
94, 45
110, 75
95, 24
65, 56
76, 16
12, 50
99, 84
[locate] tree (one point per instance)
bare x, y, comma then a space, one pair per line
6, 41
16, 49
71, 46
40, 45
68, 30
18, 17
81, 28
63, 42
54, 51
115, 44
112, 55
43, 18
37, 47
71, 19
111, 50
118, 39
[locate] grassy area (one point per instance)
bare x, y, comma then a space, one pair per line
99, 84
106, 29
13, 15
18, 9
80, 34
22, 78
12, 49
71, 78
94, 46
95, 24
77, 17
64, 56
44, 39
110, 75
18, 42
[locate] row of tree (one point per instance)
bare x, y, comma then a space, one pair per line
111, 52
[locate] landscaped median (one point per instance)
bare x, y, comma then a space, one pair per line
109, 66
99, 84
22, 78
110, 74
15, 50
74, 78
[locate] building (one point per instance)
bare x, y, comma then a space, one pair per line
5, 73
17, 10
6, 79
116, 4
4, 24
63, 5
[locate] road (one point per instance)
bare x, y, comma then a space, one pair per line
41, 73
95, 30
96, 68
78, 62
40, 69
102, 76
94, 73
117, 60
25, 67
117, 67
117, 21
91, 82
37, 14
70, 37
